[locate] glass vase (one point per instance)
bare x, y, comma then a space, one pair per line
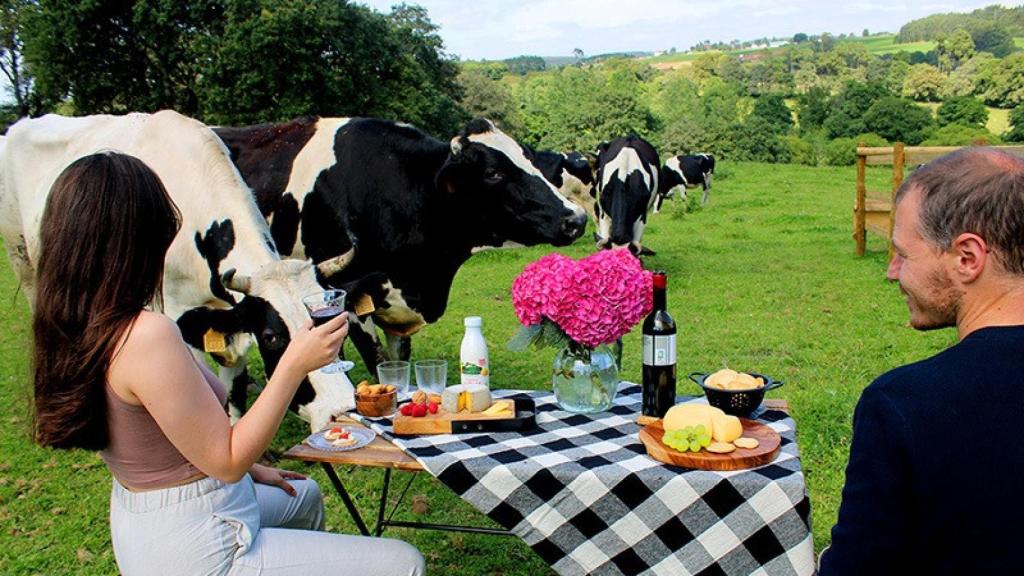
585, 380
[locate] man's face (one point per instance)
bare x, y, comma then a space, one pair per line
922, 270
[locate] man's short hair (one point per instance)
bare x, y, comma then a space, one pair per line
978, 190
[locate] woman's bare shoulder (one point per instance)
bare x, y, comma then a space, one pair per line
152, 340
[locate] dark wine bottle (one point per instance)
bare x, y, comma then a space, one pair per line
659, 355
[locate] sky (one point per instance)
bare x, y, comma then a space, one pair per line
498, 29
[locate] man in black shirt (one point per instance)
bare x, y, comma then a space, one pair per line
935, 482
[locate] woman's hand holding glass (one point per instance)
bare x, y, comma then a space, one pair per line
312, 347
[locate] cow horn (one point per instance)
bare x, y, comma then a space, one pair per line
332, 266
237, 282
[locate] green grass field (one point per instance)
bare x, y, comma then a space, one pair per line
764, 279
878, 45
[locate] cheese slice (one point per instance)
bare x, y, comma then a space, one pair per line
469, 397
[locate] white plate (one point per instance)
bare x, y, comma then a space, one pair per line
363, 437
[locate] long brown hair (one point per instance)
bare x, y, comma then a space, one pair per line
106, 228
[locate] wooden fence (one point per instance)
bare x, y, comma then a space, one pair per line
872, 209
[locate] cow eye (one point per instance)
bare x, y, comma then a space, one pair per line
271, 338
492, 176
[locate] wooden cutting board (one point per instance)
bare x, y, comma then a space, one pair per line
441, 423
767, 449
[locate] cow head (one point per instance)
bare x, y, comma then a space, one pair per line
624, 195
499, 195
672, 178
270, 311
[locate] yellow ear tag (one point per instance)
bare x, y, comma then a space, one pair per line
213, 342
364, 305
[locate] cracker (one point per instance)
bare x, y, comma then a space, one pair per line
720, 447
749, 443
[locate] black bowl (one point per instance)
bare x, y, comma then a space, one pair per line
736, 402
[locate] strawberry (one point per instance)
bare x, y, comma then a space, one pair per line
406, 409
419, 410
432, 407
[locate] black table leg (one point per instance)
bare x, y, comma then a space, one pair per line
340, 488
383, 501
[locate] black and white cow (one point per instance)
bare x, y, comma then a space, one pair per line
682, 172
572, 173
627, 181
413, 207
222, 272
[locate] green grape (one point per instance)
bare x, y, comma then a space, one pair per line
695, 446
699, 429
704, 440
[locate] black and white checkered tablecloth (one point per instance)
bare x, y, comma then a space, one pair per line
581, 491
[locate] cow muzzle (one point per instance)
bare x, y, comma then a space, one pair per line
572, 226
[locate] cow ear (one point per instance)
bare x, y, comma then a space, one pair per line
194, 323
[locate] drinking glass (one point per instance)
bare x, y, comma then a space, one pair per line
394, 372
322, 307
431, 375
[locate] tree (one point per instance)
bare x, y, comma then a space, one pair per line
13, 17
865, 33
993, 38
772, 108
812, 109
846, 117
924, 83
1000, 82
279, 59
954, 49
756, 140
799, 38
1016, 131
523, 65
963, 80
487, 98
138, 56
963, 110
577, 53
898, 119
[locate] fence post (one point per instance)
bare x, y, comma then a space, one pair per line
898, 160
859, 230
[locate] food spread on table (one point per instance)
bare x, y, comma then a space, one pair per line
696, 427
339, 437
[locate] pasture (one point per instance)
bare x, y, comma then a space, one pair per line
764, 278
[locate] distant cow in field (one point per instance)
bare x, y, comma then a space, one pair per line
627, 181
222, 272
572, 173
682, 172
412, 206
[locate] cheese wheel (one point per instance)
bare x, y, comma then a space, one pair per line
469, 397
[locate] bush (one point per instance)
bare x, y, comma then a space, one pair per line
871, 139
755, 140
1016, 132
849, 107
800, 150
841, 152
963, 110
772, 107
960, 135
898, 120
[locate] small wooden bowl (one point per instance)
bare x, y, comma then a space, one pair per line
377, 405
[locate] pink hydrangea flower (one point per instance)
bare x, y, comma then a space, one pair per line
595, 300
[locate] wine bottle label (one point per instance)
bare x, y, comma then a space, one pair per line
659, 350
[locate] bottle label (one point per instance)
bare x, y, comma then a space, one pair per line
659, 350
475, 372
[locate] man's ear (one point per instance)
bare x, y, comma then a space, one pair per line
972, 256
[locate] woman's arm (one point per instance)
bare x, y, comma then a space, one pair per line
156, 368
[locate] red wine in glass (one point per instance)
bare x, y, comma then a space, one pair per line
323, 307
325, 315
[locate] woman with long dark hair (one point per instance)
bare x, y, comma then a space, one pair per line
112, 374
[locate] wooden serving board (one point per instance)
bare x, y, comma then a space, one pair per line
441, 423
767, 449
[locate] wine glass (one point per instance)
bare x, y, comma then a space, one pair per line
322, 307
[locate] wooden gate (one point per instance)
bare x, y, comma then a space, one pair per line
872, 210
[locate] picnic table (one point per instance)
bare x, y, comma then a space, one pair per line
581, 491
